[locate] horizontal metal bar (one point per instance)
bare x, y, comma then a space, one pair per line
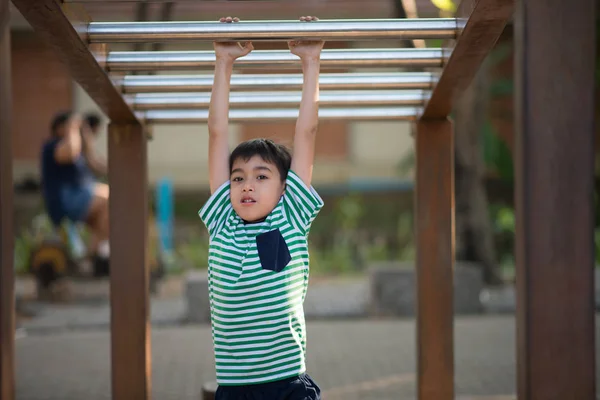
356, 80
168, 101
340, 29
283, 114
333, 58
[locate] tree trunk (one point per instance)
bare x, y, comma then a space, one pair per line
474, 234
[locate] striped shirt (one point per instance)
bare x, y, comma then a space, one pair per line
257, 282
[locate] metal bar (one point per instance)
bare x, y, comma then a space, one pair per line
434, 203
7, 279
48, 20
333, 58
554, 197
279, 99
129, 302
483, 28
196, 83
333, 29
265, 114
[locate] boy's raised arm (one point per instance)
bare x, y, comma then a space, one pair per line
308, 116
218, 113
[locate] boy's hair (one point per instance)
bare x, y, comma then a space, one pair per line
59, 120
92, 120
268, 150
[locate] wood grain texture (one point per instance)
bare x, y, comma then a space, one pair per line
7, 293
555, 57
129, 298
434, 204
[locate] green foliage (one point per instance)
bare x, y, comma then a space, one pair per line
361, 232
502, 87
191, 254
23, 248
496, 154
41, 228
503, 223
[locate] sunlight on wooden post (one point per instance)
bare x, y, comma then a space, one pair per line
434, 205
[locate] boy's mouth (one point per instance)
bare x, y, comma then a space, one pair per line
248, 200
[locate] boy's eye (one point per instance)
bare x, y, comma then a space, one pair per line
237, 179
262, 177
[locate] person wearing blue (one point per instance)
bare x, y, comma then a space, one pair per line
69, 185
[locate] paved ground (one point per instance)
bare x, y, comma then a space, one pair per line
65, 353
340, 298
358, 359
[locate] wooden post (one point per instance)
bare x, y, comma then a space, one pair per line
7, 291
554, 195
129, 303
434, 203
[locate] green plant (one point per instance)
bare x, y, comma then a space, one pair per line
192, 253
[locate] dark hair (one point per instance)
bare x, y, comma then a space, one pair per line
92, 120
59, 120
268, 150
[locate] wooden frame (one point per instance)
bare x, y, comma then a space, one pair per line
570, 109
7, 303
554, 196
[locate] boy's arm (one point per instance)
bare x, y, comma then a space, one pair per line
95, 162
308, 116
69, 147
218, 125
218, 112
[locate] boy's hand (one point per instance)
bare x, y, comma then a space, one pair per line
230, 51
307, 49
74, 124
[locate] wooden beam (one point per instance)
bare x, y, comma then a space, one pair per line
434, 204
49, 21
555, 56
486, 21
4, 17
7, 290
111, 10
129, 302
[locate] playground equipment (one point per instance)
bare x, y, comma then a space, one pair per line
60, 253
554, 257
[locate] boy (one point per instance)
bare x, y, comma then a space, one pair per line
258, 218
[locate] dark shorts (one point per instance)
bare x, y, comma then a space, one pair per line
296, 388
74, 204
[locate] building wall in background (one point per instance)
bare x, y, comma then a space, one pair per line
41, 86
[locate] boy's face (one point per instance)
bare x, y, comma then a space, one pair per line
256, 188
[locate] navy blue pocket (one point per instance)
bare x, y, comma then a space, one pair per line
272, 250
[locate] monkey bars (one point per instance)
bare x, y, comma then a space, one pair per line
282, 114
558, 257
356, 98
330, 58
352, 80
346, 30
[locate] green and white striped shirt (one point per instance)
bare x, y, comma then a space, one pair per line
257, 314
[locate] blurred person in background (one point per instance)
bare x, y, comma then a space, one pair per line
70, 188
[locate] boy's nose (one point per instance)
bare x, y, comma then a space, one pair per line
248, 188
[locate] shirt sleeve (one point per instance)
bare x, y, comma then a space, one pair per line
302, 203
217, 209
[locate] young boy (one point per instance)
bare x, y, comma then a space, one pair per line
258, 218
